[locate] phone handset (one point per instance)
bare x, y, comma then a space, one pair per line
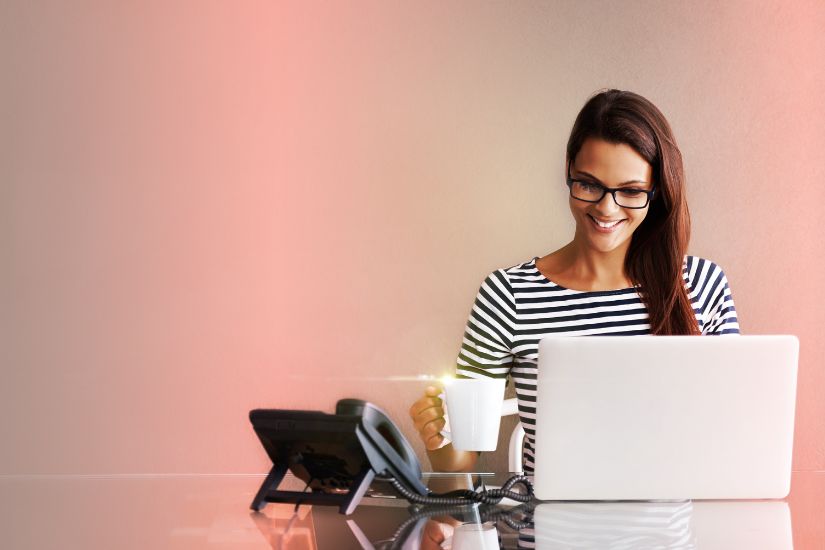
386, 448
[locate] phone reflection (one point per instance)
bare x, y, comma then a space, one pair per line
287, 527
680, 525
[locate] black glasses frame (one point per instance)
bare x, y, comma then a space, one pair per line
606, 190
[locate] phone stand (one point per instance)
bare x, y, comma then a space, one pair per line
346, 502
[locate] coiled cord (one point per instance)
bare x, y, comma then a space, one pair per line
516, 518
468, 496
509, 516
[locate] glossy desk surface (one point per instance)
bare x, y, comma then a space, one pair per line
212, 511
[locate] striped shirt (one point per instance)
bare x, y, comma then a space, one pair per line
517, 306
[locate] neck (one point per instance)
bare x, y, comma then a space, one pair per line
597, 268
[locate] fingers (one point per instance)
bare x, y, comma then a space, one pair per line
432, 428
433, 443
431, 434
432, 536
424, 403
428, 417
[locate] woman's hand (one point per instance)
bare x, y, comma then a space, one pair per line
434, 534
428, 416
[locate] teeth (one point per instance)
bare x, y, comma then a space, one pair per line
606, 225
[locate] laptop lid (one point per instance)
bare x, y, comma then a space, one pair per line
665, 417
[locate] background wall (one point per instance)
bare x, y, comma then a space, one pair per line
211, 207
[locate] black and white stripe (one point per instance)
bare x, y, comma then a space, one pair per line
517, 306
614, 525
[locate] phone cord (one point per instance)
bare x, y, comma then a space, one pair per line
466, 496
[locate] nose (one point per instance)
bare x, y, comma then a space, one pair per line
607, 205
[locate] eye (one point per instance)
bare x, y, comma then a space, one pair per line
587, 186
631, 192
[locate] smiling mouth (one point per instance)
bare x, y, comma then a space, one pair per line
605, 227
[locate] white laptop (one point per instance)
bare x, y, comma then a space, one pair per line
665, 417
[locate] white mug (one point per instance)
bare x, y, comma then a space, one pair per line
474, 408
475, 536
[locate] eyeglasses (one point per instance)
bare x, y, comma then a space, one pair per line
594, 192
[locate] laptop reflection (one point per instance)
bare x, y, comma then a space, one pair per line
661, 525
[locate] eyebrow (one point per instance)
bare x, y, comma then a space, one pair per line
581, 172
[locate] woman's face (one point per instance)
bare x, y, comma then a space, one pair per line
611, 165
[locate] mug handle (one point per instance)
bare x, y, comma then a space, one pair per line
448, 438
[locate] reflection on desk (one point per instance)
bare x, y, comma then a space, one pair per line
183, 512
632, 525
591, 525
286, 526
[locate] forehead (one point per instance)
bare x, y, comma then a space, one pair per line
612, 162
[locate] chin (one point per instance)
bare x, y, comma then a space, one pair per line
607, 247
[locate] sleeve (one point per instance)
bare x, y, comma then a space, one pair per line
486, 348
720, 313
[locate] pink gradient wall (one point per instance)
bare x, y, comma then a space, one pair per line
211, 207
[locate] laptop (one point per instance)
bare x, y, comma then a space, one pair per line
665, 417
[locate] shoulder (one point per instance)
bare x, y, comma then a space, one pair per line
528, 265
699, 272
504, 275
501, 280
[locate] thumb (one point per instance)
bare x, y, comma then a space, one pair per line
432, 391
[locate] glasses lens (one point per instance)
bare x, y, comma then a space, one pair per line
586, 191
631, 198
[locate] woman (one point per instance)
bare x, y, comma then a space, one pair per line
624, 273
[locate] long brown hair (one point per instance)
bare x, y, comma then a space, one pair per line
657, 248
